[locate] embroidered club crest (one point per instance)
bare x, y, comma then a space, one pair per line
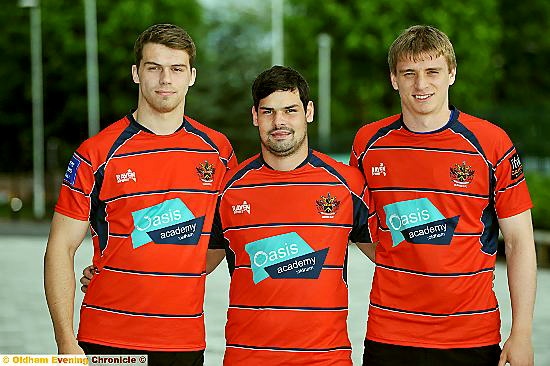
327, 206
461, 174
206, 172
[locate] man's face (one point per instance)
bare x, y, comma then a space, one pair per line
164, 76
424, 86
282, 122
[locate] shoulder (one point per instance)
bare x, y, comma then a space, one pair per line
492, 138
368, 131
252, 163
217, 137
97, 147
351, 175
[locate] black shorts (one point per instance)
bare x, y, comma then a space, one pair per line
383, 354
155, 358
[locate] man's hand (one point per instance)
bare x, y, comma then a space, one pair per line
517, 351
69, 347
87, 274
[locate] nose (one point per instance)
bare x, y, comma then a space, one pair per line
420, 81
279, 119
165, 76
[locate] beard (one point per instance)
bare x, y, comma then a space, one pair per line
285, 147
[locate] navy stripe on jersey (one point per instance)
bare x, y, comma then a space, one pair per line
396, 125
73, 188
325, 266
195, 131
269, 184
160, 191
281, 349
287, 224
119, 235
360, 232
253, 165
318, 163
466, 152
147, 315
511, 185
83, 158
460, 129
293, 308
435, 274
147, 273
381, 189
458, 313
98, 212
505, 155
173, 149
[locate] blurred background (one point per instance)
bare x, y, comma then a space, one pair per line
65, 73
82, 76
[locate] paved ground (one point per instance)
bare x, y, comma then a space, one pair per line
25, 325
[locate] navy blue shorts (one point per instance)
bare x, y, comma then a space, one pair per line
155, 358
383, 354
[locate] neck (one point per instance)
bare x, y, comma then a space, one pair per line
426, 123
161, 123
285, 163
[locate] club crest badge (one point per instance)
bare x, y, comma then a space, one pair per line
327, 206
206, 172
461, 174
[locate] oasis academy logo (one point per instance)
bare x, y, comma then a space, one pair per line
418, 221
169, 222
462, 174
327, 206
284, 256
206, 171
242, 208
126, 177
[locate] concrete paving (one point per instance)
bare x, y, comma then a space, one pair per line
25, 325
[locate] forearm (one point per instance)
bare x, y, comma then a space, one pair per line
522, 269
59, 285
368, 249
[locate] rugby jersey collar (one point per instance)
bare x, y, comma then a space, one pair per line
133, 121
303, 163
453, 117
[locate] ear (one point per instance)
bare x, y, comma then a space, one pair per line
254, 116
135, 75
193, 76
452, 76
310, 111
393, 79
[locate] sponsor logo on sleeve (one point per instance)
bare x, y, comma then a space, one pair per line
126, 176
206, 171
419, 222
242, 208
462, 174
285, 256
169, 222
70, 174
327, 206
517, 167
379, 170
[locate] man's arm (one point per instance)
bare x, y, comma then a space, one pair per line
522, 271
368, 249
66, 235
213, 258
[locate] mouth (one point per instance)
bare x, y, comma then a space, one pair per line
422, 97
165, 93
280, 134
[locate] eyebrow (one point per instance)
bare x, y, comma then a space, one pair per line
428, 69
157, 64
286, 107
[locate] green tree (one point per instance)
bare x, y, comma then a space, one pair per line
362, 32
